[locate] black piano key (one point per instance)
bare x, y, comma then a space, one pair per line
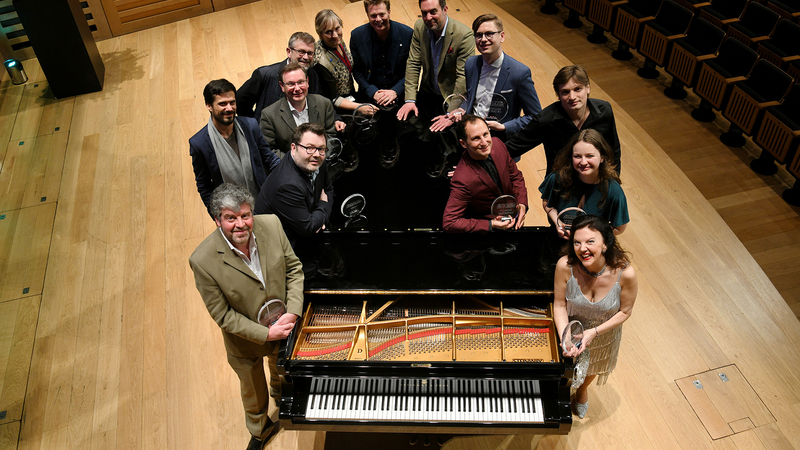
485, 395
429, 396
374, 397
337, 393
515, 384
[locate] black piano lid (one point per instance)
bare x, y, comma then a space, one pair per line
387, 262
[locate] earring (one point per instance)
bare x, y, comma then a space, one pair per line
604, 250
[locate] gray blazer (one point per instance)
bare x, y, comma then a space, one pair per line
277, 122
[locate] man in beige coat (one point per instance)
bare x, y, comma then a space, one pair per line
440, 47
239, 267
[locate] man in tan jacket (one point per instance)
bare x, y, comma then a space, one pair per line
440, 46
239, 267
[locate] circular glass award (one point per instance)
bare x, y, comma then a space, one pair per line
334, 149
453, 102
505, 207
270, 312
365, 119
567, 216
353, 205
351, 208
572, 336
498, 108
366, 114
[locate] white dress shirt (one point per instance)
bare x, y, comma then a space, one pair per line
486, 86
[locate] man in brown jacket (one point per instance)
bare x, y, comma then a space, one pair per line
243, 264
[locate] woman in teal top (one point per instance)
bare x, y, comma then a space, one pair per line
585, 177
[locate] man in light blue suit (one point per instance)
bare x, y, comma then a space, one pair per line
493, 74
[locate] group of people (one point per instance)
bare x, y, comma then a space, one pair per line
260, 168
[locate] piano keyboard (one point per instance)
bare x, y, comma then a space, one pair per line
430, 400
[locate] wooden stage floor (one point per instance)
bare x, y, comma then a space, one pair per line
105, 343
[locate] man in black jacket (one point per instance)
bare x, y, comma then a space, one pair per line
263, 89
573, 112
300, 192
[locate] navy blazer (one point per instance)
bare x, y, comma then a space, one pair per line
514, 83
204, 161
361, 49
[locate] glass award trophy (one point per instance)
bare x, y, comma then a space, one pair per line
567, 216
351, 208
334, 149
498, 108
572, 336
505, 207
270, 312
453, 102
365, 119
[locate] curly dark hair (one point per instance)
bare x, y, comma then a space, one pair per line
615, 256
566, 174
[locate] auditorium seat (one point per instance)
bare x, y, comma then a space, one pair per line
628, 26
792, 196
783, 46
765, 87
701, 43
788, 9
755, 25
734, 61
778, 134
793, 69
576, 9
693, 5
602, 14
723, 12
671, 23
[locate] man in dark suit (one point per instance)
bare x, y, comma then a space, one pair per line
262, 89
229, 149
493, 74
380, 51
485, 172
440, 47
237, 269
297, 107
300, 191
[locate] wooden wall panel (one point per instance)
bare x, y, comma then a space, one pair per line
127, 16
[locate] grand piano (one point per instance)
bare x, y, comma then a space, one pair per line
407, 329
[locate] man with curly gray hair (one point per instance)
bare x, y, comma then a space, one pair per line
238, 268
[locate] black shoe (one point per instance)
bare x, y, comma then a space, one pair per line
352, 164
436, 169
390, 151
260, 444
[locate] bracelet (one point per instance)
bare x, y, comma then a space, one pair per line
597, 333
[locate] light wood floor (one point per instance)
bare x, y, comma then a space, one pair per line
105, 344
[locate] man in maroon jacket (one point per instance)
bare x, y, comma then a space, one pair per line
485, 172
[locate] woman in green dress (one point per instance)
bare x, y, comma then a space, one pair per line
583, 176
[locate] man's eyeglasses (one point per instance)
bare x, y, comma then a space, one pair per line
302, 52
489, 35
300, 83
311, 150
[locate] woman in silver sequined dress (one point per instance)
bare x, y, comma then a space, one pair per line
596, 285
